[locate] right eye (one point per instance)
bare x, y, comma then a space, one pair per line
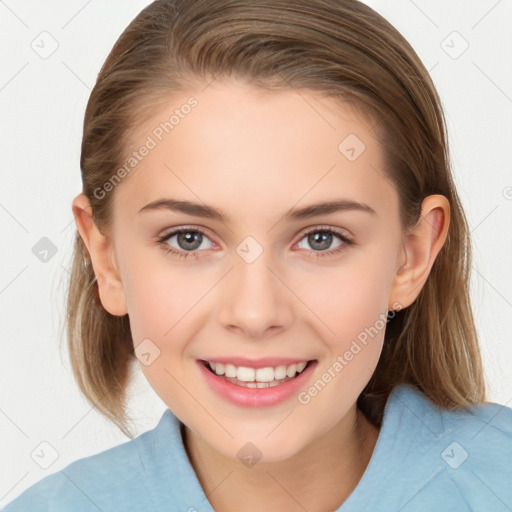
190, 240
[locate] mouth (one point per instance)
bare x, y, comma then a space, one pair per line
256, 383
257, 377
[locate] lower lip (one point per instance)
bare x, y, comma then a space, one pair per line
256, 397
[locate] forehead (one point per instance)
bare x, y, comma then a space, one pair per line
247, 149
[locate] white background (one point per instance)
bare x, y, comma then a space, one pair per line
42, 103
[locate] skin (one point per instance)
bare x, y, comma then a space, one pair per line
257, 154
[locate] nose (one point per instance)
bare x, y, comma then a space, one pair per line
254, 300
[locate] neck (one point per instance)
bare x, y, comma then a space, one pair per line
320, 477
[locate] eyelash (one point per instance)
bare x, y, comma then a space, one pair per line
317, 254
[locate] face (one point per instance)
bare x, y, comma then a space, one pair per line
268, 287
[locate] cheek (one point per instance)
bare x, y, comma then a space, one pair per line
353, 304
161, 311
160, 295
164, 301
351, 298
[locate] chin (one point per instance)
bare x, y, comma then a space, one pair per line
261, 450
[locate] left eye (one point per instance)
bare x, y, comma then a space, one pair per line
323, 238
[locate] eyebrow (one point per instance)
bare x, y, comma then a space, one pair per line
306, 212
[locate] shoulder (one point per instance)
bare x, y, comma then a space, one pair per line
486, 426
114, 476
455, 457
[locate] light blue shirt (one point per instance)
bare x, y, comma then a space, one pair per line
426, 459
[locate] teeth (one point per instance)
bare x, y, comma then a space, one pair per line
300, 366
245, 374
280, 372
260, 377
265, 374
291, 370
230, 370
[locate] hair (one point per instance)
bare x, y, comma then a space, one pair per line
341, 49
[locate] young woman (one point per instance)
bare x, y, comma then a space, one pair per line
269, 229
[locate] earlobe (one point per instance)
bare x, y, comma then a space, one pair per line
101, 251
421, 246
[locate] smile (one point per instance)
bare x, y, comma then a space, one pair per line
256, 377
262, 383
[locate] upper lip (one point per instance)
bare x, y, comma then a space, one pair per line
256, 363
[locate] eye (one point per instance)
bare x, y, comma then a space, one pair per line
321, 238
188, 240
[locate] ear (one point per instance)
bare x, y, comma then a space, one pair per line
421, 246
101, 251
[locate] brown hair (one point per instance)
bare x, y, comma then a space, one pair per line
338, 48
